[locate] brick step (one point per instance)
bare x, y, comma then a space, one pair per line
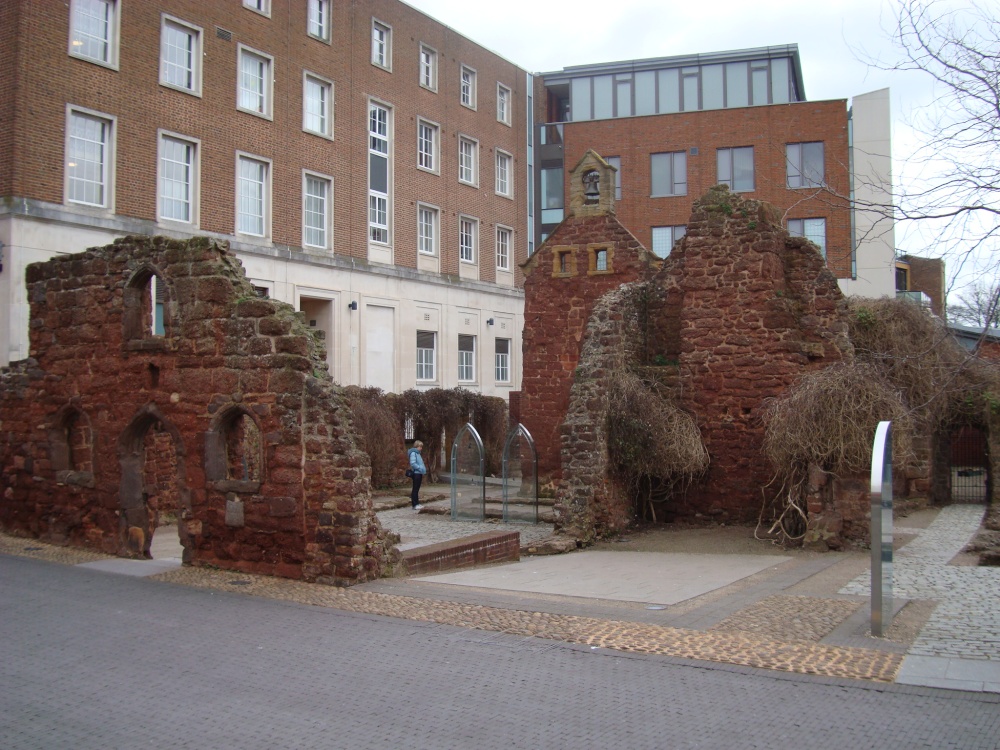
465, 552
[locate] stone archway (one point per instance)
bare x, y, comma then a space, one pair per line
153, 482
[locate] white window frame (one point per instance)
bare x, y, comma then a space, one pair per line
675, 186
242, 157
616, 162
468, 239
326, 85
799, 228
428, 160
318, 21
501, 361
426, 364
267, 92
468, 174
194, 180
504, 243
677, 231
171, 22
504, 174
111, 42
505, 103
467, 93
258, 6
327, 228
795, 171
427, 67
381, 45
108, 154
728, 154
428, 242
380, 204
466, 360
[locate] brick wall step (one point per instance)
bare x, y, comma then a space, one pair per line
465, 552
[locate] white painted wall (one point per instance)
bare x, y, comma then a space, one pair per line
874, 233
363, 346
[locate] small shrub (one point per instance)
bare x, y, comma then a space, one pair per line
379, 432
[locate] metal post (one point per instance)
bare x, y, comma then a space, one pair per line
881, 528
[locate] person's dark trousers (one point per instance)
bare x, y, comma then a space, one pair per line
415, 494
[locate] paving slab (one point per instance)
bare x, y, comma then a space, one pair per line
647, 577
954, 674
138, 568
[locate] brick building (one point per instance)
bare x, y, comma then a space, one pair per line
676, 126
367, 164
387, 176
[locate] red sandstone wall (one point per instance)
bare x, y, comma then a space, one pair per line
745, 311
155, 408
556, 310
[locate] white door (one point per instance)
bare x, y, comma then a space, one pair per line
380, 347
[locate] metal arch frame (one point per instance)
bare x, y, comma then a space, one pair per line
520, 429
881, 529
454, 471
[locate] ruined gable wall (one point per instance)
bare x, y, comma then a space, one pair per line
743, 311
225, 355
557, 306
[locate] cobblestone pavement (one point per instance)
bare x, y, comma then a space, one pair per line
420, 529
753, 622
92, 661
966, 622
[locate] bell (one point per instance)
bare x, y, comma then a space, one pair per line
591, 187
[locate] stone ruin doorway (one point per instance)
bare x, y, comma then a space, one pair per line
153, 494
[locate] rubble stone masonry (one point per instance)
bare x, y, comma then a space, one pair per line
223, 414
743, 311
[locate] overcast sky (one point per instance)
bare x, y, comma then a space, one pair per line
834, 36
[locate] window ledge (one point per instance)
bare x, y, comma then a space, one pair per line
244, 486
157, 344
80, 478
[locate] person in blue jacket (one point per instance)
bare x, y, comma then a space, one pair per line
417, 471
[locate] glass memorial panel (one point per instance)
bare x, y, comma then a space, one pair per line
468, 489
520, 478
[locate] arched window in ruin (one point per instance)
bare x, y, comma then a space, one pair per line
150, 312
243, 449
234, 451
71, 442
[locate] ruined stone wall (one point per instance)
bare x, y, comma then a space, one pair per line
227, 413
589, 502
744, 310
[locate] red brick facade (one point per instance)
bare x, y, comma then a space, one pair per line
767, 128
33, 117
